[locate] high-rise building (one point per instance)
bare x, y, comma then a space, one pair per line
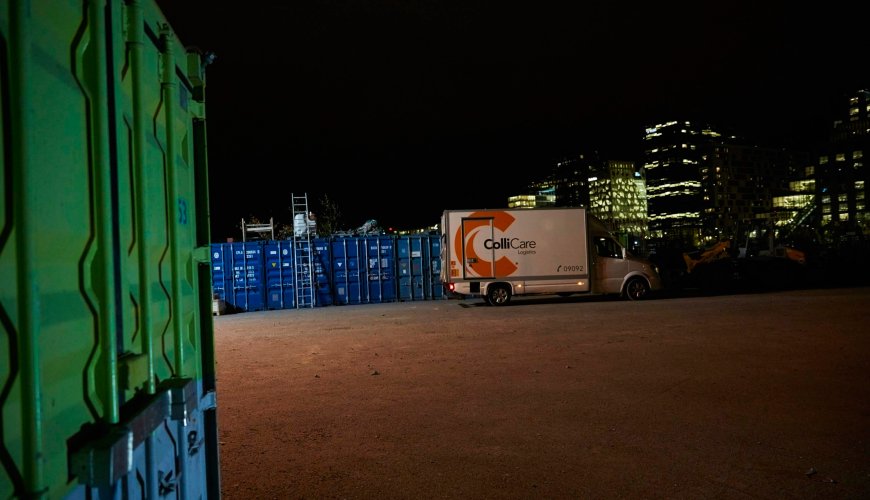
841, 175
571, 177
704, 187
793, 212
674, 152
738, 185
617, 196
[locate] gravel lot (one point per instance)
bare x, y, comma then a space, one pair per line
762, 395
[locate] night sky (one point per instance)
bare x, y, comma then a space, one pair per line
400, 109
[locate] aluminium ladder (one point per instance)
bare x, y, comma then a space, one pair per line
303, 275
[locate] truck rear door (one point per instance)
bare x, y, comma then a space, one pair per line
477, 260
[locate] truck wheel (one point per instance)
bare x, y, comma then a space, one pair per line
498, 295
636, 289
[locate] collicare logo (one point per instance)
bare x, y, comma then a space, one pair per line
474, 229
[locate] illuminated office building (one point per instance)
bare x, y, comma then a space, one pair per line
673, 155
531, 200
571, 177
793, 214
617, 196
841, 175
738, 185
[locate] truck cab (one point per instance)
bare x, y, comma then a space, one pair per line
616, 271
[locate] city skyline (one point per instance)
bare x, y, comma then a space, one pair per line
699, 187
400, 112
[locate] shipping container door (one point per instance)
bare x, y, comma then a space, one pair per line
349, 275
411, 257
381, 258
221, 271
248, 265
106, 357
403, 268
321, 257
434, 274
278, 261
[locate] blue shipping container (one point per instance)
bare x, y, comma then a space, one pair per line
435, 269
237, 275
363, 269
348, 284
279, 262
258, 275
381, 260
320, 259
418, 267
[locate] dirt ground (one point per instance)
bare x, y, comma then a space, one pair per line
733, 396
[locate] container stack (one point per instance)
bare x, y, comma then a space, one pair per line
346, 270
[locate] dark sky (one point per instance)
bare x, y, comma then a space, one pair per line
400, 109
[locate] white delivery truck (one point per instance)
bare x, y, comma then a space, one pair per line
496, 254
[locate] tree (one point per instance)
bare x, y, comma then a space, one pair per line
328, 217
283, 232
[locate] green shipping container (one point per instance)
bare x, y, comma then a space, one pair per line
107, 376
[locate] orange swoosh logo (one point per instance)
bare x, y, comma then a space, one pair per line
501, 221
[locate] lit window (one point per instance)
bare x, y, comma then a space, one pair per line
841, 157
823, 160
857, 154
853, 111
